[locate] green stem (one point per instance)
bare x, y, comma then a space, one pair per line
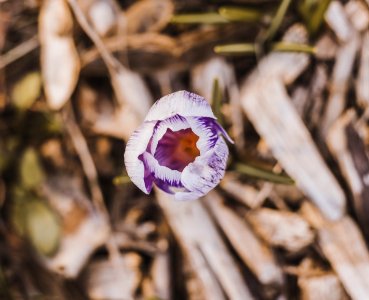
246, 48
217, 100
241, 48
318, 16
240, 14
121, 179
293, 47
277, 20
204, 18
263, 174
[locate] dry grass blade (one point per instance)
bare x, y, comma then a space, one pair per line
81, 147
18, 52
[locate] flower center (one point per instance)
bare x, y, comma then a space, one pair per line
177, 149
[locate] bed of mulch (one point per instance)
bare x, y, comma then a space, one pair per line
288, 80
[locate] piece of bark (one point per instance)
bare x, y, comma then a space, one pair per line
268, 106
147, 289
193, 285
358, 14
349, 150
256, 255
343, 245
281, 228
288, 192
300, 97
124, 242
243, 193
84, 228
325, 48
204, 248
324, 286
339, 84
317, 89
337, 20
106, 280
316, 281
362, 86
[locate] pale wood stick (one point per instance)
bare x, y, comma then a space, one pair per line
274, 117
362, 86
343, 245
256, 255
338, 21
342, 72
349, 150
203, 246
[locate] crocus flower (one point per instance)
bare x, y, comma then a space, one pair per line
178, 147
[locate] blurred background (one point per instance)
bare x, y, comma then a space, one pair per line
288, 80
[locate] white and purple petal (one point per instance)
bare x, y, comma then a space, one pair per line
136, 146
222, 131
162, 173
202, 175
208, 131
181, 103
174, 123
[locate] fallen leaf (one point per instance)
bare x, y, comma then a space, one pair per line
42, 227
31, 171
26, 91
59, 58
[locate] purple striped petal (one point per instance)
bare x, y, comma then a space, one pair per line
205, 172
174, 123
163, 173
208, 130
222, 131
167, 187
181, 103
136, 146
